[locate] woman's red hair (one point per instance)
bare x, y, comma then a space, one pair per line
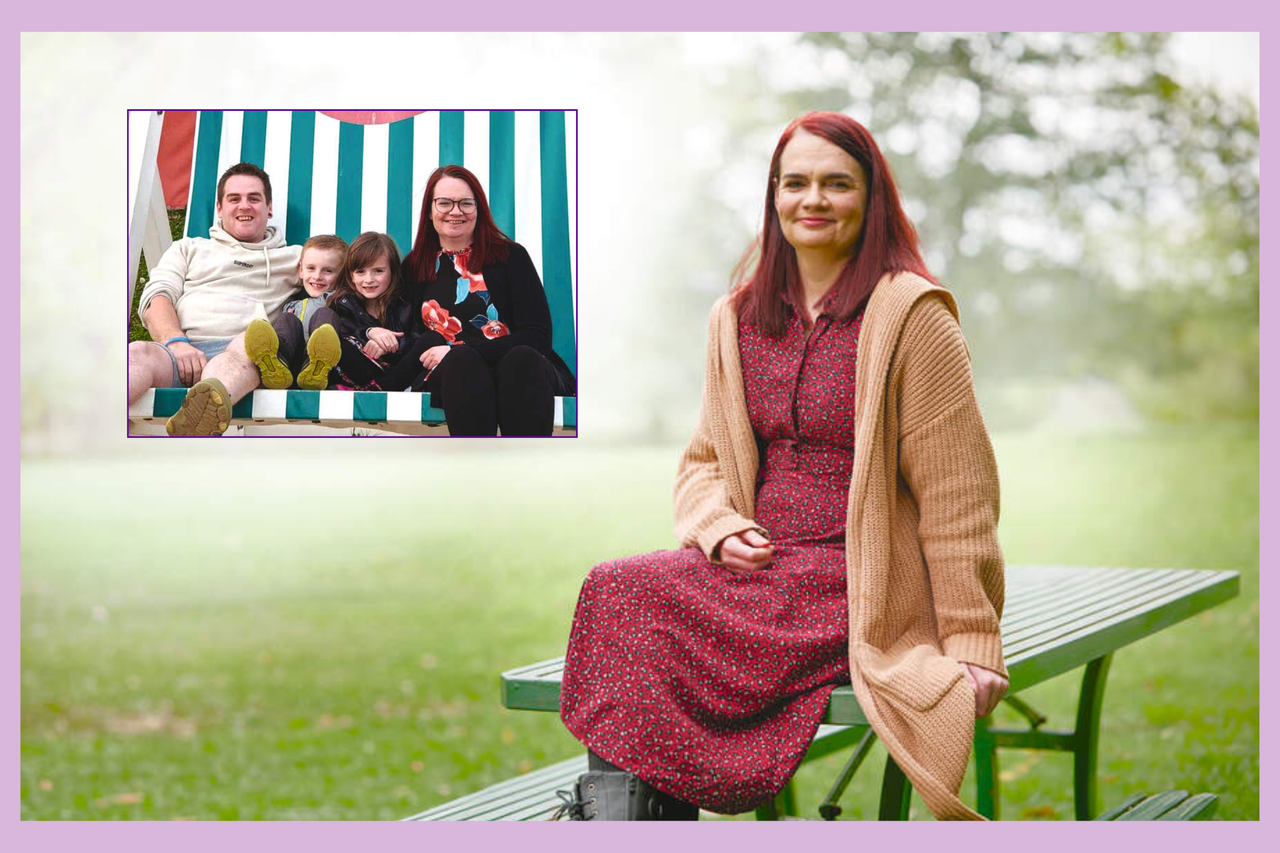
888, 242
487, 243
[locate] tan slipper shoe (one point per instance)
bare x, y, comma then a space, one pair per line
206, 410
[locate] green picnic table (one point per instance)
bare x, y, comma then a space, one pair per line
1056, 620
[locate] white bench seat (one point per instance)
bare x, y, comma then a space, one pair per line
407, 412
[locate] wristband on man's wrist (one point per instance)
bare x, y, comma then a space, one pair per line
177, 339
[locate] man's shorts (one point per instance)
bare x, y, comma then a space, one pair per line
209, 348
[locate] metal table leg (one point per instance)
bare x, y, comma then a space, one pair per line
1088, 723
895, 793
1082, 743
987, 766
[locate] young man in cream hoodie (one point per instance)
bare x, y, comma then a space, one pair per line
201, 297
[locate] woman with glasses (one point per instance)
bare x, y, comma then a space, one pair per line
837, 509
485, 347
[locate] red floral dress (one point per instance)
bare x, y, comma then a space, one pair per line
710, 685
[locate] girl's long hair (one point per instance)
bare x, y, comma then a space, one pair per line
487, 243
767, 279
364, 251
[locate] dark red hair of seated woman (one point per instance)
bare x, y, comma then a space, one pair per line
488, 244
767, 288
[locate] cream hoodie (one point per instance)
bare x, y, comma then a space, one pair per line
218, 284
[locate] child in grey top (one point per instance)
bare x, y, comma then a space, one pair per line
277, 348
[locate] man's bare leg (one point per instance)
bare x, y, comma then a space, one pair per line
149, 367
234, 370
227, 378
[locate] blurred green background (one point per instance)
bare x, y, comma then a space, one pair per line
314, 629
334, 652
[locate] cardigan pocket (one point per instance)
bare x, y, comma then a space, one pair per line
919, 677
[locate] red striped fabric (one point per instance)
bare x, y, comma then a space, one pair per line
177, 144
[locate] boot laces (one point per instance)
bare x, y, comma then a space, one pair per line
571, 804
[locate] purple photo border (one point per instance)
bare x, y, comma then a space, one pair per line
661, 15
577, 295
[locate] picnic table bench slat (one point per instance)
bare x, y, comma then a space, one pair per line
526, 804
1020, 613
1080, 611
1064, 653
520, 790
1097, 611
1154, 806
1116, 811
1021, 608
1097, 607
1037, 585
1169, 805
1198, 807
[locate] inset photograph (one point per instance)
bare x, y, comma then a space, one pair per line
345, 272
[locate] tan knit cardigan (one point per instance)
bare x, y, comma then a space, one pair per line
926, 578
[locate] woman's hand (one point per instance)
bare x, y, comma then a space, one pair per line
190, 360
433, 356
381, 342
745, 552
988, 688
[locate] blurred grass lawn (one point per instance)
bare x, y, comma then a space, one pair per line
332, 651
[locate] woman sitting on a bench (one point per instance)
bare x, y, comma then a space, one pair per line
837, 505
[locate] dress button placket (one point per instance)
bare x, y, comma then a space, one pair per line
807, 342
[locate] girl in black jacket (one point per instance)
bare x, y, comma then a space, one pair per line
374, 320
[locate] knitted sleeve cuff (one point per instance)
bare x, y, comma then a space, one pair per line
985, 650
728, 525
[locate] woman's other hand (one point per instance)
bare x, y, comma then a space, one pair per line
746, 552
988, 688
433, 356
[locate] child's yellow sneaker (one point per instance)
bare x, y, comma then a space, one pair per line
324, 351
206, 410
263, 346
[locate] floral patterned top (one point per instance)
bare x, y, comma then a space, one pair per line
493, 310
471, 296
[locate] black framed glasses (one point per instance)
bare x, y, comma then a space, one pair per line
466, 205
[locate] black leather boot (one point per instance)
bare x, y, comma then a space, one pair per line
619, 795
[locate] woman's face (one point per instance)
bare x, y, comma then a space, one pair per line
455, 226
372, 281
820, 197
